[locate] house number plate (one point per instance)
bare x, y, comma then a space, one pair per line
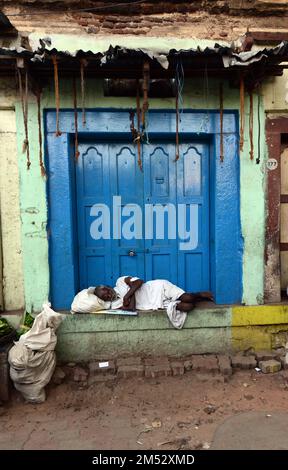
272, 164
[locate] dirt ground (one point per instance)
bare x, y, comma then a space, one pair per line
165, 413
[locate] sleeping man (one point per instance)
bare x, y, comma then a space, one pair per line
131, 293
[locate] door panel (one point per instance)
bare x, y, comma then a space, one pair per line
193, 192
160, 199
143, 218
92, 192
127, 183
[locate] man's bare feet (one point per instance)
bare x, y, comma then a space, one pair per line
207, 295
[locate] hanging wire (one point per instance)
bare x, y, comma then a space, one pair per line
83, 64
180, 85
145, 105
177, 128
178, 102
242, 113
259, 129
221, 122
79, 10
75, 117
138, 125
206, 87
24, 103
57, 95
251, 126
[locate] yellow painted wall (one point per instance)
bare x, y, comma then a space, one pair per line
275, 94
261, 327
12, 276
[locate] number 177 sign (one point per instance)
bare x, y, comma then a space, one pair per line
272, 164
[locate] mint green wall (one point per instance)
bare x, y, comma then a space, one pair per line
33, 186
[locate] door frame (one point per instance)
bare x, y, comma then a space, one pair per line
226, 248
275, 128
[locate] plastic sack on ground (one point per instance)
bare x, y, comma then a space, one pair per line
32, 359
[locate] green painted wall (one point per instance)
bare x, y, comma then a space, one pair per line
33, 186
210, 330
87, 337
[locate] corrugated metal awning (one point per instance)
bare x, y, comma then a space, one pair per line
123, 56
38, 47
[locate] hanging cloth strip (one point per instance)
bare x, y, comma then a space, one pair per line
242, 112
75, 118
24, 103
57, 95
221, 122
38, 97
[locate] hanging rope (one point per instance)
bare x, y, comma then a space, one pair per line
83, 64
57, 95
251, 126
75, 118
259, 129
177, 127
145, 106
221, 122
138, 126
242, 111
24, 104
38, 97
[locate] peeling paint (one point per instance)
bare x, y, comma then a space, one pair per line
32, 210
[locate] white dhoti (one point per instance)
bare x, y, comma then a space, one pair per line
152, 295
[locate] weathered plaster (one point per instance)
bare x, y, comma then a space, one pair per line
252, 183
216, 330
102, 336
13, 289
33, 207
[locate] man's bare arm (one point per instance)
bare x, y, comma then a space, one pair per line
134, 286
137, 283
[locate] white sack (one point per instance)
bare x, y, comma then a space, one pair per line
32, 359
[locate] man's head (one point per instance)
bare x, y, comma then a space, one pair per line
105, 293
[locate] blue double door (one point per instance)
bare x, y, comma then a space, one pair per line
153, 224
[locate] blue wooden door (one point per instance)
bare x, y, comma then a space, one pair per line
113, 196
105, 172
